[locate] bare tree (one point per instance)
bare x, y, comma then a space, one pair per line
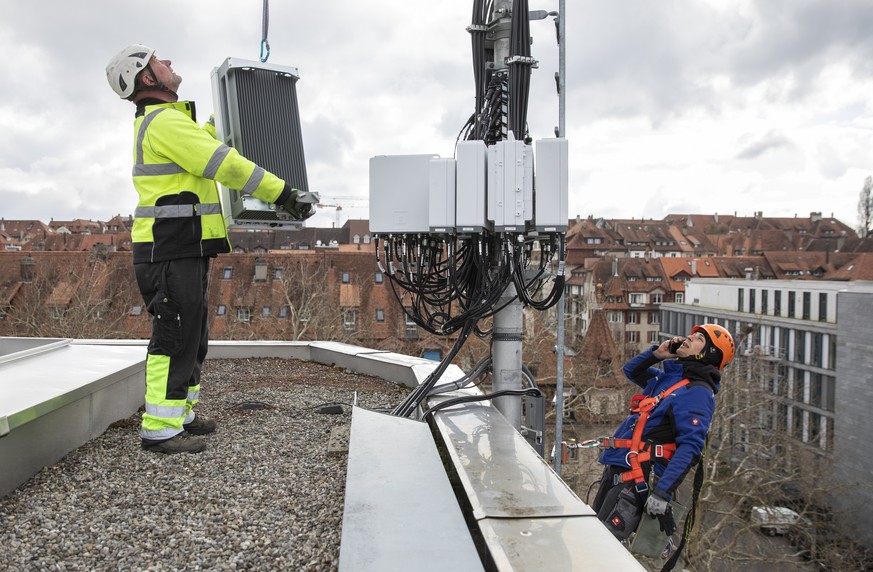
74, 298
304, 306
865, 208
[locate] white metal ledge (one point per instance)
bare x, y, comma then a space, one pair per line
400, 511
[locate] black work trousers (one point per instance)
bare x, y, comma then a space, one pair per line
175, 294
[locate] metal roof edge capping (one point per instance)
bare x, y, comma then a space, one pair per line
400, 511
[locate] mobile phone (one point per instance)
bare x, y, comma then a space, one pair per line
674, 347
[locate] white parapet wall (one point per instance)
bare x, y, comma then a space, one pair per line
58, 394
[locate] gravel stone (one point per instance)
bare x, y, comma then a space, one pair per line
264, 495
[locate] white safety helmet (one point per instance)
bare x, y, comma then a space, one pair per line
121, 71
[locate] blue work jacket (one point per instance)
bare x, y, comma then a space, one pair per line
683, 418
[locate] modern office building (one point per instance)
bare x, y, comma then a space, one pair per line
817, 337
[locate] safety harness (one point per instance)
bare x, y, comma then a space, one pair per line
640, 451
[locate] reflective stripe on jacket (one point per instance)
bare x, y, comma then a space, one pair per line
176, 166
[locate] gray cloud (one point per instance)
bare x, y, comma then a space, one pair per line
387, 77
759, 146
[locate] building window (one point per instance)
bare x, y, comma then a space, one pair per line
791, 304
380, 315
277, 273
260, 270
615, 317
654, 317
653, 337
777, 303
633, 317
832, 352
345, 277
741, 292
822, 307
410, 326
637, 298
765, 298
244, 314
799, 388
366, 239
657, 298
632, 337
432, 354
227, 273
815, 421
807, 302
265, 312
817, 350
350, 319
222, 310
784, 338
816, 390
379, 277
829, 434
799, 346
356, 239
797, 421
679, 297
751, 300
283, 313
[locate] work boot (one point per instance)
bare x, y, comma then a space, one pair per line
200, 426
177, 444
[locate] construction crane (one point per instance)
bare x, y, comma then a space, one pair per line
338, 208
338, 203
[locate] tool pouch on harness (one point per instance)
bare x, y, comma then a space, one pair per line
625, 515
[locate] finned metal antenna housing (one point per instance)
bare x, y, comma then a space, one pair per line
257, 113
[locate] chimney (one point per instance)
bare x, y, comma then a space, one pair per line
748, 271
614, 266
815, 217
694, 267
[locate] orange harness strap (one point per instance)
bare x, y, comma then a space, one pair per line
640, 451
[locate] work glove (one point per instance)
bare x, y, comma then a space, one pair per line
297, 208
658, 506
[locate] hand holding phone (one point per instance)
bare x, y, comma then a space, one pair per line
674, 346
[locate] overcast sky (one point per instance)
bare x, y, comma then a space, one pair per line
673, 106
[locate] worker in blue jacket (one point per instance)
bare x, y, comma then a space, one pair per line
675, 409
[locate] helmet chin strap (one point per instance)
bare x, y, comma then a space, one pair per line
160, 85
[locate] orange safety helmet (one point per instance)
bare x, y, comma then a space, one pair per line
720, 343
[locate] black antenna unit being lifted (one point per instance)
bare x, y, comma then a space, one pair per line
256, 113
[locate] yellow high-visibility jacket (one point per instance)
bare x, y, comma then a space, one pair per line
176, 166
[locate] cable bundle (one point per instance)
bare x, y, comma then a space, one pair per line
444, 283
520, 63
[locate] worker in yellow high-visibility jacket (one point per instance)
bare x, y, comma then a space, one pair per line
178, 228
